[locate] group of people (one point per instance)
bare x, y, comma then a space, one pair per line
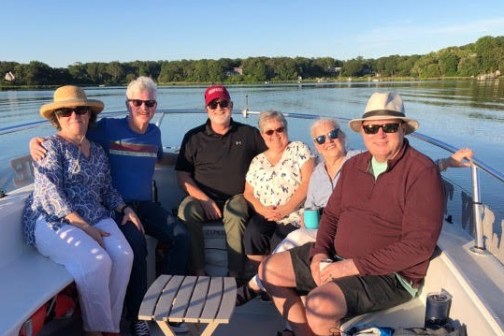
382, 208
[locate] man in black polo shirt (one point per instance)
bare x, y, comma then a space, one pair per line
211, 168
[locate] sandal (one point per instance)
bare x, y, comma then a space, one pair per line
285, 332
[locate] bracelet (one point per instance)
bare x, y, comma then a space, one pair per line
123, 208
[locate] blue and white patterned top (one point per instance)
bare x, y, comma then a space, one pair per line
66, 181
275, 185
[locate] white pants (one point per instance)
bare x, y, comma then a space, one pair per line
101, 274
295, 238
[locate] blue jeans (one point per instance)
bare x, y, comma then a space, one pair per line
160, 224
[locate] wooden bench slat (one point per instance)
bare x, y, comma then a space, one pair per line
148, 306
198, 300
183, 299
190, 299
228, 301
213, 300
165, 303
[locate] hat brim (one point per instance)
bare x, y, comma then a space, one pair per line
411, 124
47, 110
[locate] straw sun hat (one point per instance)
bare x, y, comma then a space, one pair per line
383, 106
70, 96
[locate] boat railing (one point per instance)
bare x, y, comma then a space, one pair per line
476, 167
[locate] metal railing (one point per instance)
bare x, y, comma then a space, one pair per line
477, 165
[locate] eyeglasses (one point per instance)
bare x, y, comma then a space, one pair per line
139, 102
279, 130
387, 128
67, 112
222, 104
321, 139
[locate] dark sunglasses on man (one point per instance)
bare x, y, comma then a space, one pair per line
321, 139
387, 128
139, 102
223, 104
67, 111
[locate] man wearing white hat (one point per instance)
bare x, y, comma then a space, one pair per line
380, 228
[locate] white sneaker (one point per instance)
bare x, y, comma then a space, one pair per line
179, 327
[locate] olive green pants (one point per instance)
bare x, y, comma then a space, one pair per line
235, 215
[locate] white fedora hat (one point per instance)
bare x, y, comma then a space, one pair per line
382, 106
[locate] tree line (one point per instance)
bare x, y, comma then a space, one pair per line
485, 56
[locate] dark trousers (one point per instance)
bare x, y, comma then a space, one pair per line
262, 236
160, 224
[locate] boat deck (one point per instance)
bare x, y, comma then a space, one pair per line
255, 318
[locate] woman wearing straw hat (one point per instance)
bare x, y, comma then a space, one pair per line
67, 217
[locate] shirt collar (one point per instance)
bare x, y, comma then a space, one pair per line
210, 131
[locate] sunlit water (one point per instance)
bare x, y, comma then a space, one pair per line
461, 113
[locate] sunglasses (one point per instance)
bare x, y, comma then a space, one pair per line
139, 102
321, 139
387, 128
222, 104
67, 112
279, 130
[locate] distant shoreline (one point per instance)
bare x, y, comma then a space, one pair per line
272, 83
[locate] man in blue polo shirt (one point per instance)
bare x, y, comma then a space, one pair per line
211, 168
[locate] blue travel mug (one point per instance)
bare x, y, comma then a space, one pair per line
311, 218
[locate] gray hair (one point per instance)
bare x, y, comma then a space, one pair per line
141, 84
271, 115
323, 121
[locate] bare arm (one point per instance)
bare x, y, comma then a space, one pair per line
188, 184
94, 232
37, 151
461, 158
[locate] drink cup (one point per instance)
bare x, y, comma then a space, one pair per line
311, 218
437, 309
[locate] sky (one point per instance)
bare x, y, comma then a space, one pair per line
62, 32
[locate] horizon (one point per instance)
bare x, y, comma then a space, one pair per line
122, 31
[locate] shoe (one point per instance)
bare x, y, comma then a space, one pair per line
265, 297
244, 294
140, 328
179, 327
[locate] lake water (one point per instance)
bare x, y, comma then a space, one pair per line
465, 113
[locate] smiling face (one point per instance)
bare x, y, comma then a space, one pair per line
219, 114
73, 120
274, 133
383, 146
330, 148
144, 112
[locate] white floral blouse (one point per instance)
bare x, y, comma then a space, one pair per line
275, 185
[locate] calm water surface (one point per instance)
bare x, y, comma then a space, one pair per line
461, 113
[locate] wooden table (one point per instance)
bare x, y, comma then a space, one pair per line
190, 299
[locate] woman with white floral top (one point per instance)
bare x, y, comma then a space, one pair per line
276, 186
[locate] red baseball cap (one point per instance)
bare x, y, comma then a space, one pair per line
216, 92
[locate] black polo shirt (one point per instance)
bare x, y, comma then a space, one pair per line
218, 163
